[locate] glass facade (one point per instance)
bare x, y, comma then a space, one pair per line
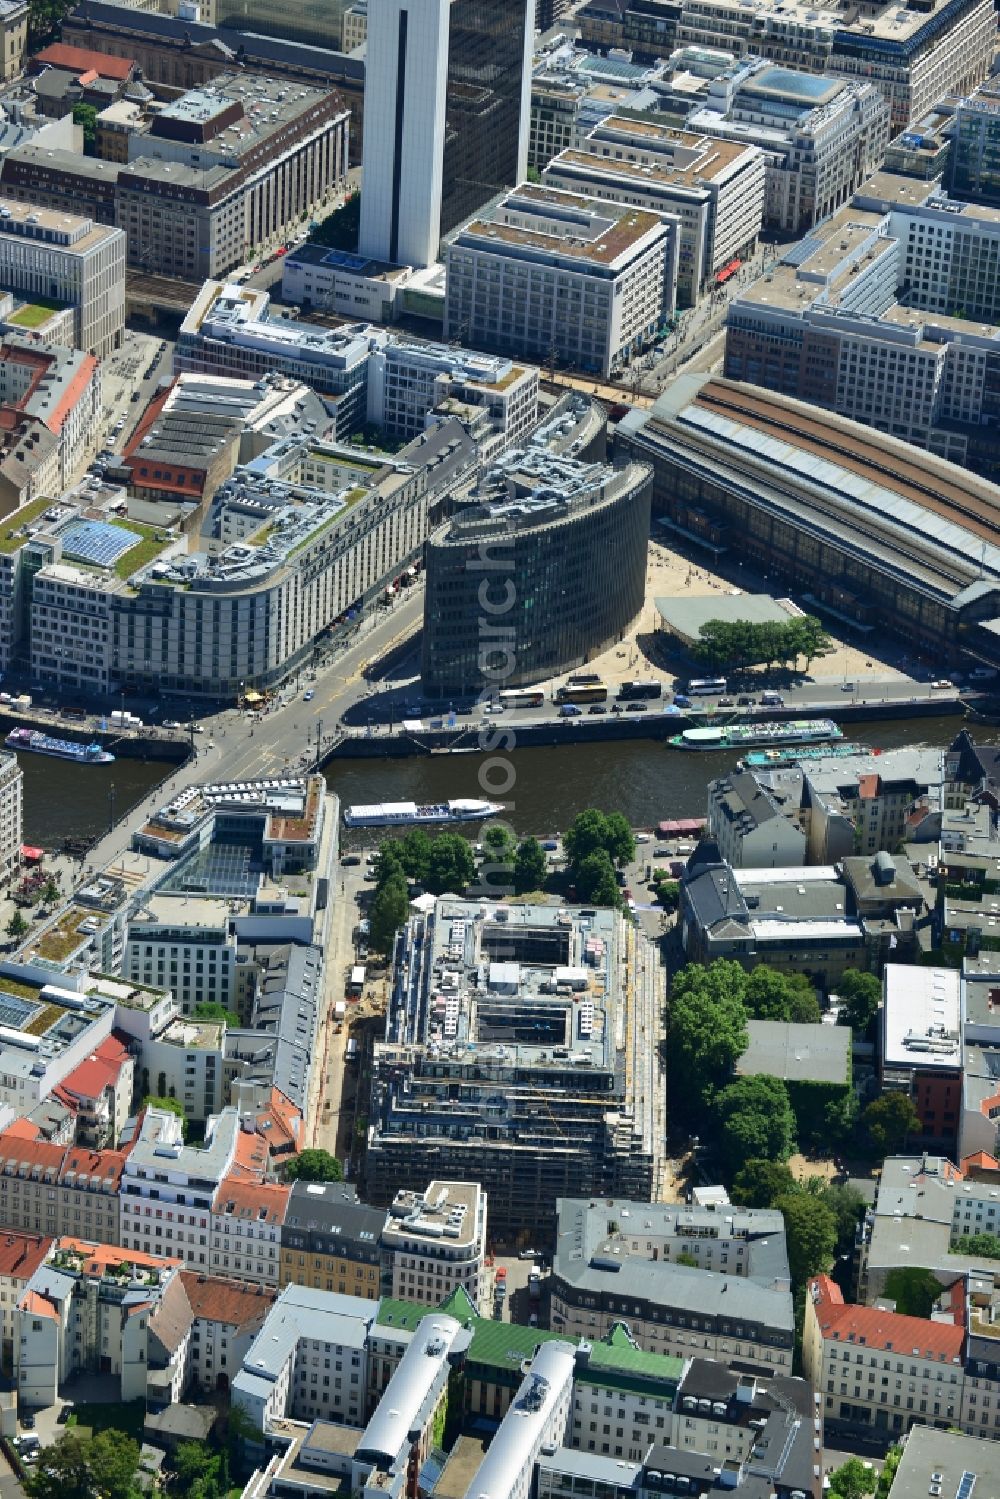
483, 108
315, 23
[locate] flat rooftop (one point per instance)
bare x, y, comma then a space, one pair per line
921, 1018
797, 1053
554, 223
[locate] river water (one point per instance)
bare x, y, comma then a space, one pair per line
640, 777
66, 800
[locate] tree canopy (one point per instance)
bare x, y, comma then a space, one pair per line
760, 1183
756, 1120
889, 1119
78, 1467
211, 1011
810, 1234
451, 865
707, 1027
594, 830
913, 1289
389, 909
314, 1165
739, 644
852, 1480
530, 867
770, 995
861, 995
595, 879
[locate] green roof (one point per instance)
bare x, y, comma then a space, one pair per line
505, 1345
405, 1314
618, 1364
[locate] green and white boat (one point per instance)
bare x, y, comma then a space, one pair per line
740, 736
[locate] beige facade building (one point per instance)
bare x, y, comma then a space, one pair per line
436, 1242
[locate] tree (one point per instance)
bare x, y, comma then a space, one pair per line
587, 834
848, 1207
984, 1246
79, 1467
17, 926
619, 839
194, 1462
389, 909
913, 1289
50, 891
451, 866
171, 1105
852, 1480
595, 880
707, 1026
314, 1166
212, 1011
889, 1120
340, 229
810, 1234
860, 994
530, 866
86, 115
388, 862
414, 853
499, 847
756, 1120
760, 1183
771, 995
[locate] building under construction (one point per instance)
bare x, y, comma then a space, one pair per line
522, 1050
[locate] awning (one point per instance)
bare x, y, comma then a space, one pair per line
728, 270
252, 697
681, 826
32, 854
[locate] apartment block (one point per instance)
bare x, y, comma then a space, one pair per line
58, 255
750, 826
557, 275
168, 1188
711, 190
11, 815
330, 1241
53, 1189
246, 1223
435, 1241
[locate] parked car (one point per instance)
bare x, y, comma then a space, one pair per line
597, 708
569, 710
745, 701
726, 702
637, 708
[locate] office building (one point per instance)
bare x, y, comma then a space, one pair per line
915, 57
573, 90
435, 1242
921, 1046
711, 190
447, 86
549, 275
947, 1458
916, 562
66, 258
974, 165
572, 1115
617, 1261
880, 315
11, 815
821, 138
354, 26
568, 541
330, 1241
219, 174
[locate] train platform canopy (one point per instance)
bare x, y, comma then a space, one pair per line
685, 615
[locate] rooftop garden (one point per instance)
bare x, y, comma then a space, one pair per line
64, 936
12, 525
44, 1020
34, 314
150, 542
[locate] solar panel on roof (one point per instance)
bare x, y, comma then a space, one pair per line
802, 251
96, 541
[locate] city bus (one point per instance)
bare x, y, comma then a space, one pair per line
589, 692
705, 686
583, 679
523, 697
631, 691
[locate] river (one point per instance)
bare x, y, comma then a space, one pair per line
640, 777
66, 800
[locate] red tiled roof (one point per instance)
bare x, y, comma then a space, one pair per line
868, 787
218, 1300
30, 1154
100, 1070
250, 1160
21, 1254
889, 1332
97, 1257
23, 1129
980, 1160
83, 60
38, 1305
262, 1202
106, 1165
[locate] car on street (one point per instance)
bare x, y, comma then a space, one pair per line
726, 702
941, 685
847, 686
308, 695
569, 710
597, 708
171, 723
637, 708
680, 701
745, 701
350, 859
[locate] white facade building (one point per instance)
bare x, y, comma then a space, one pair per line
437, 1241
167, 1187
62, 257
11, 815
553, 273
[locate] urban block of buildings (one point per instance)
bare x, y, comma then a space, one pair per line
61, 261
887, 314
711, 191
219, 174
566, 1050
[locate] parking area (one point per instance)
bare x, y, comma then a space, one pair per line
523, 1298
130, 376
